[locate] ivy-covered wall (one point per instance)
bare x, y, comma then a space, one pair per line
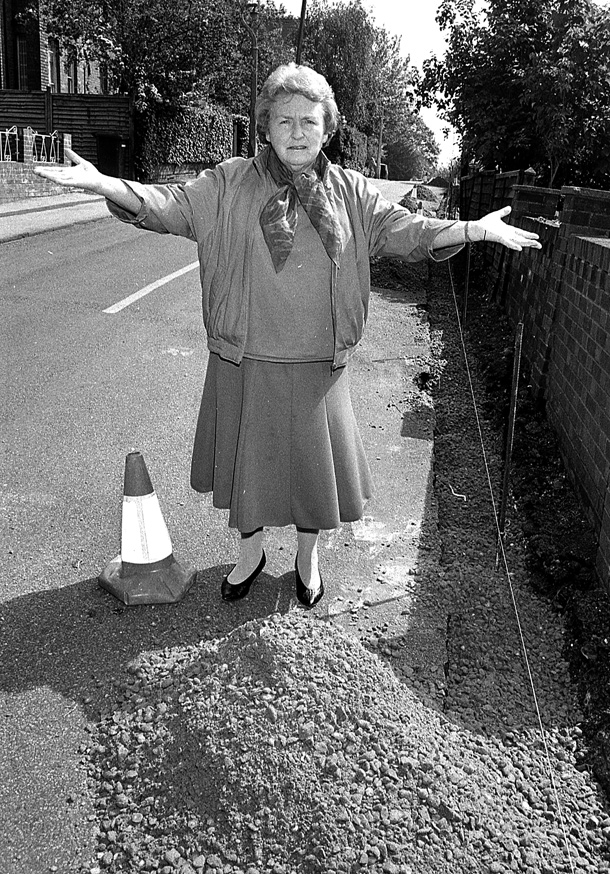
179, 144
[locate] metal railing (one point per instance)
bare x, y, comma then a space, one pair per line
9, 144
45, 147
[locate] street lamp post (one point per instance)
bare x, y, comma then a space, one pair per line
252, 26
380, 144
301, 30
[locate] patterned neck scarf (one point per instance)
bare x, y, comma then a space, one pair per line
279, 216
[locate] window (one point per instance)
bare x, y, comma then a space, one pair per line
71, 77
22, 63
54, 80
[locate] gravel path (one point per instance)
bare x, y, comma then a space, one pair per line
295, 745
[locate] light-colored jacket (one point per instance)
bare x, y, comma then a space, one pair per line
220, 211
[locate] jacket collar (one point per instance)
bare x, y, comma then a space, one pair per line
260, 164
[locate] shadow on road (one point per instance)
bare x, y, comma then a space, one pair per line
79, 640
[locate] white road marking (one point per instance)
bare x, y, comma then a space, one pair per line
178, 350
117, 307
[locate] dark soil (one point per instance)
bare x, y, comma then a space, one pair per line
545, 513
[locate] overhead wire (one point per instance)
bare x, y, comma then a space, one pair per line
502, 550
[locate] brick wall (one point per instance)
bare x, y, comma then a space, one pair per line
529, 291
17, 179
578, 379
562, 296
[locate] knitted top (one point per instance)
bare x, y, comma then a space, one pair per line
289, 314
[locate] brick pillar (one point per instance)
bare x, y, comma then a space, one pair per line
28, 145
535, 202
586, 211
67, 145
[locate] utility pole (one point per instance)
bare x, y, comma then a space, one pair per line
301, 31
252, 26
380, 144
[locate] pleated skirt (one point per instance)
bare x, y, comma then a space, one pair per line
277, 444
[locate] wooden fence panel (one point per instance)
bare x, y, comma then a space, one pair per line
92, 120
24, 109
90, 116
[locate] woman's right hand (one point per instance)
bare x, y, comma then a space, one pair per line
81, 174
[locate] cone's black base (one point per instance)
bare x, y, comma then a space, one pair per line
148, 585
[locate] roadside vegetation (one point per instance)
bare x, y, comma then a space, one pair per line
197, 53
525, 84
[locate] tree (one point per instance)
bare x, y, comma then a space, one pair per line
567, 88
526, 83
166, 53
338, 44
412, 152
374, 86
361, 62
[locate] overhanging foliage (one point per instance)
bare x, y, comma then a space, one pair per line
527, 82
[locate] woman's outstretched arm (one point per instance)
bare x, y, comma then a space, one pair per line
490, 229
83, 174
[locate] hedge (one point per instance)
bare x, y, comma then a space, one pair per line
190, 138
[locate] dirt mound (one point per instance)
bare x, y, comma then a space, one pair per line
289, 747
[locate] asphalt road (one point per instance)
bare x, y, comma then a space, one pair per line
82, 387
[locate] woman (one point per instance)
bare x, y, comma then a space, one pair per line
284, 241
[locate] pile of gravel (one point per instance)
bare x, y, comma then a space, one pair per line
288, 747
414, 204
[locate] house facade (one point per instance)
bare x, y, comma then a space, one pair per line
31, 60
42, 92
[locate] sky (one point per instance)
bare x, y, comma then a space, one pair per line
413, 21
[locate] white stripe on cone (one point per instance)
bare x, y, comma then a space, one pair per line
144, 535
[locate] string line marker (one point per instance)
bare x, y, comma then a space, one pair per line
562, 818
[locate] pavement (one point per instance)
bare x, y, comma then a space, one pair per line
393, 551
36, 215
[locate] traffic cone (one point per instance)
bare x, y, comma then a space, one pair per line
146, 571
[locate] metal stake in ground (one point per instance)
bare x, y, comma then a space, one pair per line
466, 284
510, 433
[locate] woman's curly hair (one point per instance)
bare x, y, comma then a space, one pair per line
292, 79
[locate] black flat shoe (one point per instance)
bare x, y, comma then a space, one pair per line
235, 591
308, 597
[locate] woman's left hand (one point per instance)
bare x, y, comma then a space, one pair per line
492, 229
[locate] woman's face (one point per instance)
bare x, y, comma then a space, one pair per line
296, 131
